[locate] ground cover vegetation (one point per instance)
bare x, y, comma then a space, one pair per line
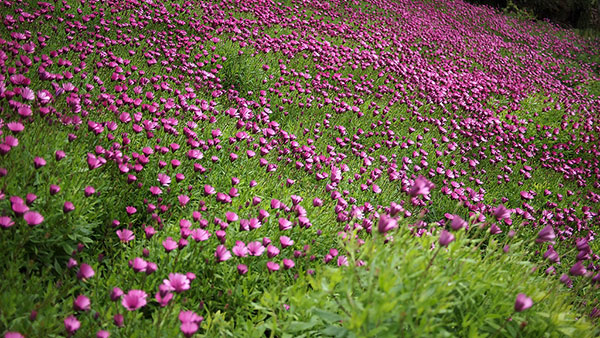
296, 168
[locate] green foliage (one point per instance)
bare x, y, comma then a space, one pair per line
464, 293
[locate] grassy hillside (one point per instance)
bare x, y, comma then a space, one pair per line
296, 168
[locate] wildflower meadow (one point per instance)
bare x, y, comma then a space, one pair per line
296, 168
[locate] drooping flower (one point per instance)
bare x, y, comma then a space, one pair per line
134, 300
522, 302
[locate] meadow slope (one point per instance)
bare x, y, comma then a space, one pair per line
296, 168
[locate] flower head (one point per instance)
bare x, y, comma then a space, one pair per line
522, 302
134, 300
177, 282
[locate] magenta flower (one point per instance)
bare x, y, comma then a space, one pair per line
272, 266
501, 212
6, 222
386, 223
222, 254
81, 303
231, 217
13, 334
71, 324
255, 248
89, 191
578, 269
209, 190
125, 235
240, 249
285, 241
33, 218
130, 210
288, 263
446, 238
68, 207
200, 235
242, 269
169, 244
115, 294
422, 186
284, 224
546, 234
38, 162
85, 272
163, 299
118, 320
522, 302
190, 316
495, 229
272, 251
177, 282
342, 261
457, 223
134, 300
188, 328
54, 189
138, 264
102, 334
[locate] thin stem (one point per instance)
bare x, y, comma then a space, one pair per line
503, 325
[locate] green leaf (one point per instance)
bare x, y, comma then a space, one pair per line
296, 326
327, 316
335, 331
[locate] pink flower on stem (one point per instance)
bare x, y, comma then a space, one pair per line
125, 235
71, 324
177, 282
134, 300
522, 302
222, 254
33, 218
